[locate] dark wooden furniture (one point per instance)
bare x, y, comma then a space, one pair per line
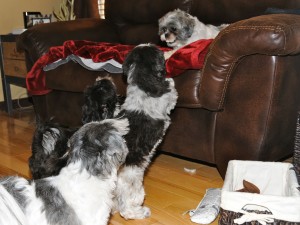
13, 68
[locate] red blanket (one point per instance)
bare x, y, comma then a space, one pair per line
189, 57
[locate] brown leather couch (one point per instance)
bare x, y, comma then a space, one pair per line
242, 106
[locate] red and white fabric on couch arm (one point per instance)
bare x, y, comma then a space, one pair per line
108, 56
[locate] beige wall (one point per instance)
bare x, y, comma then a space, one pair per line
11, 17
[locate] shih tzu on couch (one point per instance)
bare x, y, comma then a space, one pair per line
82, 193
178, 28
149, 101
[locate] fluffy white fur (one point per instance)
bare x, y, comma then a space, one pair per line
76, 187
157, 108
90, 208
10, 212
85, 185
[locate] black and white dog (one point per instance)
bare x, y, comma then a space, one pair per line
100, 100
49, 145
149, 101
178, 28
82, 193
49, 142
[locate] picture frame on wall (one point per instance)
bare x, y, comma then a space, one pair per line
40, 20
28, 18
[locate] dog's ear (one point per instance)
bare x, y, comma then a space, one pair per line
117, 150
189, 24
145, 67
99, 146
128, 64
153, 82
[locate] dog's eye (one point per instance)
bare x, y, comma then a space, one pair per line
164, 29
173, 29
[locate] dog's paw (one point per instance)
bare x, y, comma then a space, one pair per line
140, 212
171, 82
168, 54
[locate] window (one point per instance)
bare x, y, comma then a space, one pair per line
101, 6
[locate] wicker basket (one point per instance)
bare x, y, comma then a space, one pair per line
227, 217
296, 158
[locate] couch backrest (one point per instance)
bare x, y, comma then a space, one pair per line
137, 19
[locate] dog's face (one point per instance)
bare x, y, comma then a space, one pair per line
144, 67
100, 101
99, 146
175, 28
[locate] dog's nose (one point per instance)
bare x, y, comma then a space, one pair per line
165, 36
162, 37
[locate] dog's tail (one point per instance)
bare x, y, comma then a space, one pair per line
10, 211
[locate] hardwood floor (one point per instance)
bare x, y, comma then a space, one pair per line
170, 191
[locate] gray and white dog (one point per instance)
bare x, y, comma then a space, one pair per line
178, 28
82, 193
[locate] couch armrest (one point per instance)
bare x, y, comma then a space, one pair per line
276, 34
37, 40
